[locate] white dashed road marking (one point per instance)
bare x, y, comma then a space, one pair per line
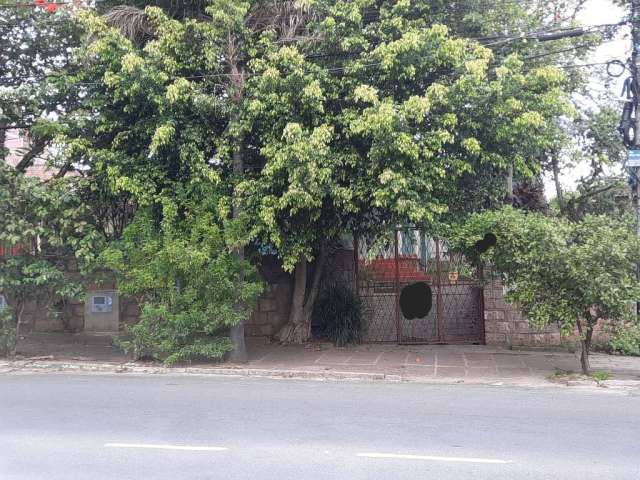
433, 458
165, 447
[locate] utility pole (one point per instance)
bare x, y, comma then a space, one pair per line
634, 153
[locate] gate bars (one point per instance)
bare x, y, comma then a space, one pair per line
384, 266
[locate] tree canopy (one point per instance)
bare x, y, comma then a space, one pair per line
569, 273
47, 241
37, 48
343, 119
301, 120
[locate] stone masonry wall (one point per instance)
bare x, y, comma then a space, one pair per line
272, 311
39, 318
273, 308
505, 325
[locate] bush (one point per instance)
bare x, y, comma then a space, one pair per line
44, 227
7, 333
175, 337
626, 340
338, 315
190, 284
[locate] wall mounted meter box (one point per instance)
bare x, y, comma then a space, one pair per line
102, 312
101, 303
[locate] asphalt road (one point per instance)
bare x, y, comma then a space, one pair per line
93, 427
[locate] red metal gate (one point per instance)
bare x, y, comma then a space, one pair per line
384, 267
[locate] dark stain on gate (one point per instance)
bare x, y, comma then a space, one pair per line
415, 300
414, 290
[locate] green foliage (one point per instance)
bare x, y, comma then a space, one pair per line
600, 195
143, 127
312, 118
600, 376
594, 143
174, 337
338, 313
173, 8
7, 333
559, 271
44, 227
394, 132
626, 340
36, 47
573, 274
191, 286
148, 133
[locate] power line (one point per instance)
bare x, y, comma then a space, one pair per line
568, 49
355, 65
340, 54
555, 33
325, 70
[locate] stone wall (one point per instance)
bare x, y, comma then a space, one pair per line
505, 325
341, 268
273, 308
271, 313
70, 316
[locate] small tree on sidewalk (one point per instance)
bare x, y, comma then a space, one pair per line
570, 273
42, 230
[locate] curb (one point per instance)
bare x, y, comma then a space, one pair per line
132, 368
613, 384
620, 384
26, 366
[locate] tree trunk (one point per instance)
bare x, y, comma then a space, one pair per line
295, 329
556, 180
236, 334
3, 140
509, 185
298, 328
585, 343
11, 341
321, 262
36, 148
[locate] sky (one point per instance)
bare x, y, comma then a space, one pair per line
597, 12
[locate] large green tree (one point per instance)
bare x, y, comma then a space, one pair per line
374, 121
594, 145
306, 118
316, 118
191, 286
149, 131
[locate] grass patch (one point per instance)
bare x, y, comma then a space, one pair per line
600, 376
561, 375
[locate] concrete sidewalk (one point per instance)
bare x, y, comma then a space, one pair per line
471, 363
424, 363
